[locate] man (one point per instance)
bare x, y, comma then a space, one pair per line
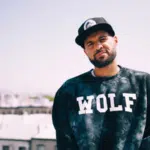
108, 107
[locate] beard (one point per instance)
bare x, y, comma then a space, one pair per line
100, 63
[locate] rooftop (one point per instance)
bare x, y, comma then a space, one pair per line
25, 127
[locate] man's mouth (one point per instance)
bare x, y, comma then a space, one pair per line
100, 53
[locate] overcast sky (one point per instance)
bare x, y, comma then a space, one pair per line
37, 48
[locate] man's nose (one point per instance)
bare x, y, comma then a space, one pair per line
98, 45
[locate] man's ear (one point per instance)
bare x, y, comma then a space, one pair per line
85, 52
116, 39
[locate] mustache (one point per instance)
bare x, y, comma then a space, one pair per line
98, 51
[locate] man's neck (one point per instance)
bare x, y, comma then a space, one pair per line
109, 70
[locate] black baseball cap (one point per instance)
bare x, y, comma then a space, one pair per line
90, 26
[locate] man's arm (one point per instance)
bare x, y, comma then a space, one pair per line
147, 129
64, 135
145, 145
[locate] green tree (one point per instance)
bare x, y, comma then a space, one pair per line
51, 98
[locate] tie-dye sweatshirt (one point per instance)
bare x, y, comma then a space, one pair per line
103, 113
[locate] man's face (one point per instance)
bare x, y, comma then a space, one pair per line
100, 48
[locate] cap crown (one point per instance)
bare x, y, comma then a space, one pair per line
90, 23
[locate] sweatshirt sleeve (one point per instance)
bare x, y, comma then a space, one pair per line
147, 129
145, 145
64, 136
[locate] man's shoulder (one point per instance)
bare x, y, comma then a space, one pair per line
72, 82
79, 78
135, 72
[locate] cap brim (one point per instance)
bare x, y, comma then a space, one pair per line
105, 27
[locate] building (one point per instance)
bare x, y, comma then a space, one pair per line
27, 132
26, 123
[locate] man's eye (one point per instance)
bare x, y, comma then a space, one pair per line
89, 44
102, 39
